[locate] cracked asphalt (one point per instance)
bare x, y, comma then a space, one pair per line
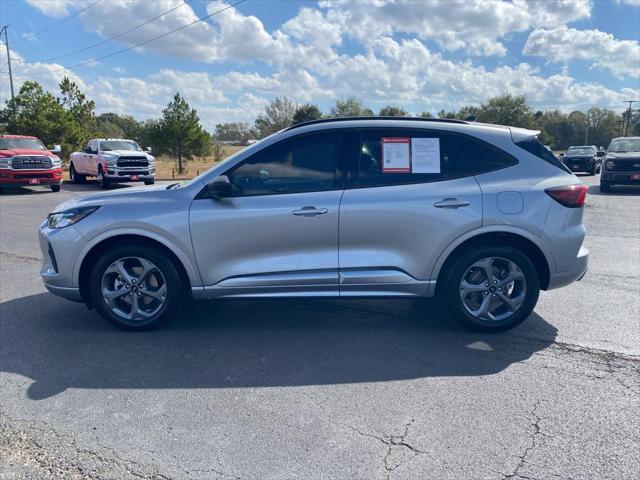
323, 389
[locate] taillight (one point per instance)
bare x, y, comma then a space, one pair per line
572, 196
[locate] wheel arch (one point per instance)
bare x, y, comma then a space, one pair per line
526, 242
187, 273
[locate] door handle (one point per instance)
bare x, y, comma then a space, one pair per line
310, 211
451, 203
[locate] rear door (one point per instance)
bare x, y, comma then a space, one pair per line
397, 218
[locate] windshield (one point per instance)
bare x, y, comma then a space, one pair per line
625, 145
119, 145
581, 151
21, 143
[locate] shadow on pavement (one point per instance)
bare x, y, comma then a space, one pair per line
245, 343
90, 186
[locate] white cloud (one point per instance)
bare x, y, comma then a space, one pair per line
562, 44
53, 8
473, 25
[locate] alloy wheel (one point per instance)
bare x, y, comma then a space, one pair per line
134, 288
493, 289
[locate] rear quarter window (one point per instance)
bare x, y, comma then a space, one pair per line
533, 146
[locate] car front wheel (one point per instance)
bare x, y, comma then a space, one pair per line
491, 288
135, 286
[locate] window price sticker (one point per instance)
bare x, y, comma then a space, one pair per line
396, 154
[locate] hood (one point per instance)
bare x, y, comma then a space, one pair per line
133, 153
25, 151
623, 155
125, 197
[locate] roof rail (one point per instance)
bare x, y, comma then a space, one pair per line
344, 119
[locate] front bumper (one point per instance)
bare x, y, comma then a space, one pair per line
16, 178
620, 178
575, 273
130, 174
59, 252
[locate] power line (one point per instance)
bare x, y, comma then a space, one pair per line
65, 20
157, 37
107, 40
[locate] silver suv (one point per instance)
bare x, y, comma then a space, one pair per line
482, 216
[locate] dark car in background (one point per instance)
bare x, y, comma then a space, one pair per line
585, 158
622, 163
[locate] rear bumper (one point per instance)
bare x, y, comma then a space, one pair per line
620, 178
17, 178
576, 273
579, 165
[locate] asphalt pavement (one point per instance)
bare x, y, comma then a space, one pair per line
323, 389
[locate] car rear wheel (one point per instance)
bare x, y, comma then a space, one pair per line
55, 188
491, 288
135, 287
76, 178
149, 182
605, 187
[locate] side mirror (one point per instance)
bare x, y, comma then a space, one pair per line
87, 150
220, 187
56, 149
561, 155
148, 149
602, 153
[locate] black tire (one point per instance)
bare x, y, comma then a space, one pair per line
76, 178
149, 182
103, 183
175, 288
55, 188
592, 170
605, 187
455, 271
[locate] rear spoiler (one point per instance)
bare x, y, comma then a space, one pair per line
519, 134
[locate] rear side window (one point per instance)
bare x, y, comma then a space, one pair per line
453, 156
533, 146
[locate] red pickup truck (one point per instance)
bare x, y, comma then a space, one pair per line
24, 160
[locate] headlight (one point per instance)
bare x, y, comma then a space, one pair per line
111, 160
69, 217
610, 164
5, 162
55, 162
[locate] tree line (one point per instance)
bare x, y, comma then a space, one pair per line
70, 120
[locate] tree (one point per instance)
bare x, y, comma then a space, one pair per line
276, 116
426, 114
390, 111
179, 132
350, 107
113, 125
306, 113
35, 112
506, 110
80, 116
233, 132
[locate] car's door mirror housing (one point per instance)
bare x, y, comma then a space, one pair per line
87, 150
148, 149
601, 153
55, 149
220, 187
561, 155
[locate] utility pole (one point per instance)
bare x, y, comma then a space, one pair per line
6, 44
626, 117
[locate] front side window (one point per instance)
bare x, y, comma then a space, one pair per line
403, 156
306, 163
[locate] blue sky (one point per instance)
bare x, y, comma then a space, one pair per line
419, 54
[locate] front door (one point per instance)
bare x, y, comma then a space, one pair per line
278, 232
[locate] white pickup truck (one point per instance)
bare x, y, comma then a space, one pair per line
113, 160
